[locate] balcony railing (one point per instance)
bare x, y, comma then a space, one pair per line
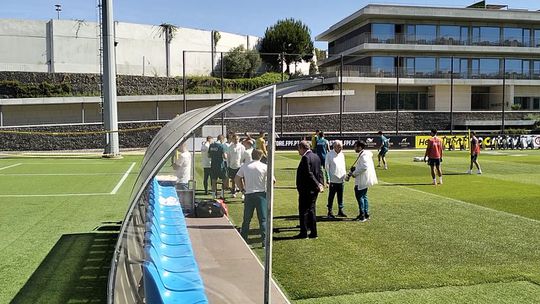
421, 40
368, 71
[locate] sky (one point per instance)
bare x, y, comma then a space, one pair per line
236, 16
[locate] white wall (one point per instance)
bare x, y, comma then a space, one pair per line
23, 45
75, 46
496, 95
27, 45
363, 99
462, 98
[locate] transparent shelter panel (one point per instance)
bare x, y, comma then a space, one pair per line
236, 129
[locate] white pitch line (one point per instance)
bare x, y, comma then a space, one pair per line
58, 174
122, 179
69, 164
469, 204
15, 165
53, 195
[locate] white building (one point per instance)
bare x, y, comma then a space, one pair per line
443, 57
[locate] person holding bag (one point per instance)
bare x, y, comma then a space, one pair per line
365, 177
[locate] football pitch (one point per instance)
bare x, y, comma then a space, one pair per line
474, 239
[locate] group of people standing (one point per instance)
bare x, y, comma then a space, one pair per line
223, 158
321, 168
242, 165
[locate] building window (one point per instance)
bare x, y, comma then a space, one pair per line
386, 101
536, 39
522, 102
489, 68
486, 35
382, 65
421, 33
383, 32
535, 73
516, 68
450, 34
536, 103
424, 66
513, 36
465, 35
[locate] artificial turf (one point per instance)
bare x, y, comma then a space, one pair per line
473, 239
474, 230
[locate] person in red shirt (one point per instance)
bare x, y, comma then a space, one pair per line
434, 156
475, 151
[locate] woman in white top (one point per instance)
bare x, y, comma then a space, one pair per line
365, 177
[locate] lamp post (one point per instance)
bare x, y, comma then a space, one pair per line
58, 8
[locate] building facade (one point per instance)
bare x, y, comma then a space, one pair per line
464, 59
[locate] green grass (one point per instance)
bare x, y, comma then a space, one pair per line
34, 230
423, 242
474, 239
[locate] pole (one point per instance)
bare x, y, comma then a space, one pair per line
397, 96
341, 97
184, 83
503, 94
452, 95
222, 94
193, 158
281, 102
109, 82
270, 199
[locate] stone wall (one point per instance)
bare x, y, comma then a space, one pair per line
359, 122
89, 84
36, 140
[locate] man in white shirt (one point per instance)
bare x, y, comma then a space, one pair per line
206, 162
335, 167
248, 145
251, 179
234, 157
182, 167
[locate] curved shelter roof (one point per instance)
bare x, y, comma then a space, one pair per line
177, 131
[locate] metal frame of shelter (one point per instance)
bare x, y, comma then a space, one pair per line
124, 276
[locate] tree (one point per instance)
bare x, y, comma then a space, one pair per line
287, 36
239, 63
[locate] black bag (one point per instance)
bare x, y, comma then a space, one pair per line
209, 208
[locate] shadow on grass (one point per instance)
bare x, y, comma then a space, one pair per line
75, 271
456, 173
406, 184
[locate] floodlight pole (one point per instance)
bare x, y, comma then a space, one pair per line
397, 99
281, 98
58, 8
270, 198
184, 79
222, 94
341, 97
452, 95
110, 111
503, 94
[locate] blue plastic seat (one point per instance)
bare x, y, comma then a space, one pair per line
180, 264
158, 293
167, 239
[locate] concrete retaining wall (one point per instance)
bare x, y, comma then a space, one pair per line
358, 122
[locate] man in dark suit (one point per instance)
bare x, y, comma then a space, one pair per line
309, 182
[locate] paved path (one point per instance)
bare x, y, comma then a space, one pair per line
230, 270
